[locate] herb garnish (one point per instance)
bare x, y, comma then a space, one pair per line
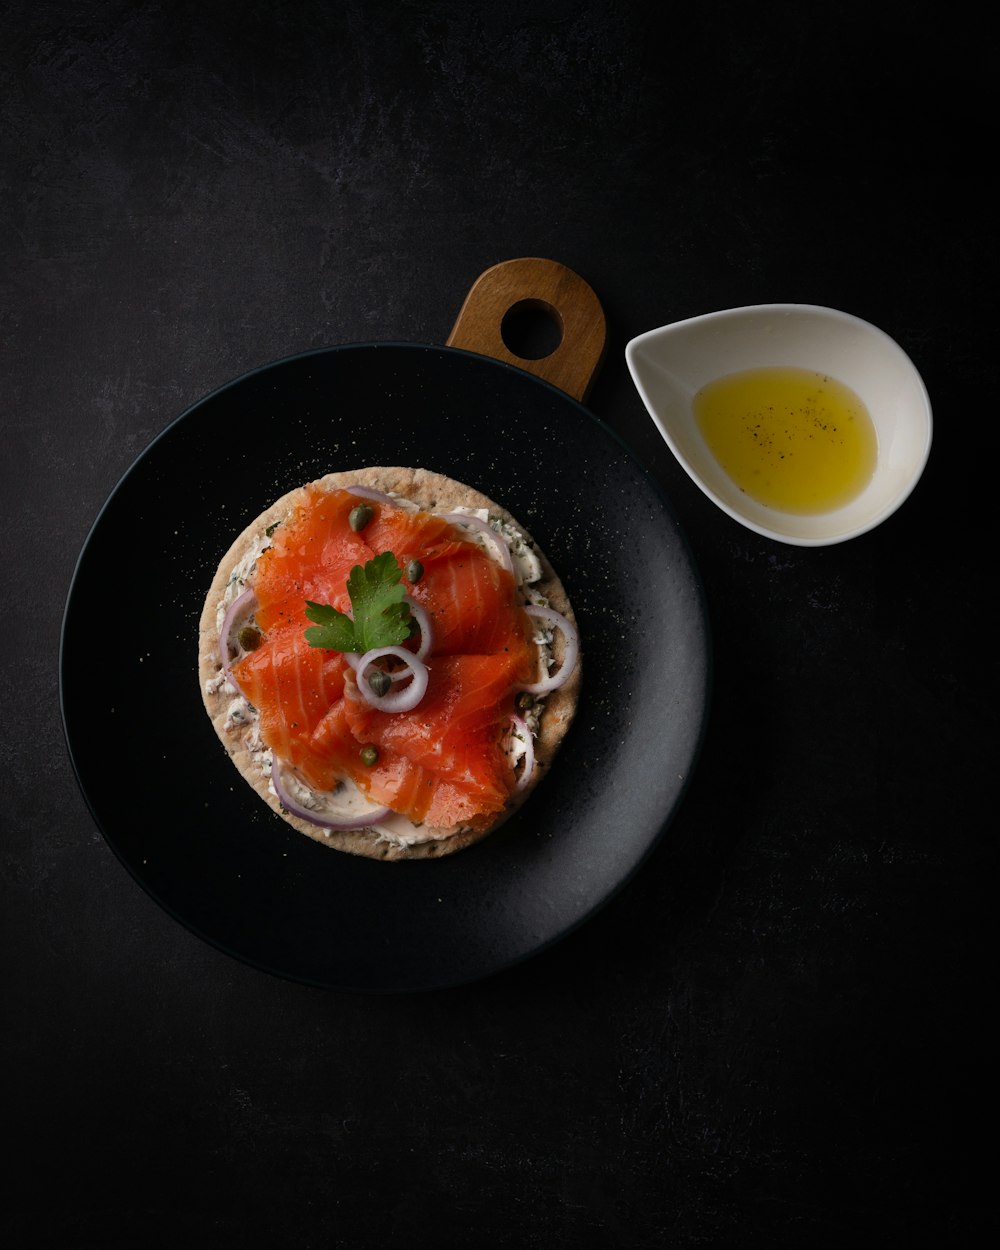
381, 617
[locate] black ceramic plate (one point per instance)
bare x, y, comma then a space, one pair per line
193, 833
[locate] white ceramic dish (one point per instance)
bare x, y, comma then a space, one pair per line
671, 364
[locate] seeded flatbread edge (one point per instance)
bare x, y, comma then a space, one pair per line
434, 492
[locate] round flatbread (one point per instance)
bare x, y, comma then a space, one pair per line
233, 718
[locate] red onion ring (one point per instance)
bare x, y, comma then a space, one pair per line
483, 527
363, 821
520, 726
364, 492
572, 639
399, 700
240, 606
422, 617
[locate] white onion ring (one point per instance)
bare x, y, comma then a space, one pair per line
365, 492
489, 533
521, 726
398, 700
240, 606
572, 639
362, 821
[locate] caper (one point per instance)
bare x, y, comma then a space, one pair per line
414, 571
369, 756
360, 516
379, 683
524, 701
249, 637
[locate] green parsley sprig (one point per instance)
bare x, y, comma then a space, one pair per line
381, 617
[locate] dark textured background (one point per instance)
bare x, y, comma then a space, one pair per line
775, 1036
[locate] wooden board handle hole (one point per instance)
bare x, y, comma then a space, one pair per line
532, 329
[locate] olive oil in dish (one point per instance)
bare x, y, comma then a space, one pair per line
792, 439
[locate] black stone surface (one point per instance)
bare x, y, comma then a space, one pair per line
778, 1034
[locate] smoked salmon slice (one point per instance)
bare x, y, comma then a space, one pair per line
292, 686
444, 762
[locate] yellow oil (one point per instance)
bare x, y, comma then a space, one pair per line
792, 439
